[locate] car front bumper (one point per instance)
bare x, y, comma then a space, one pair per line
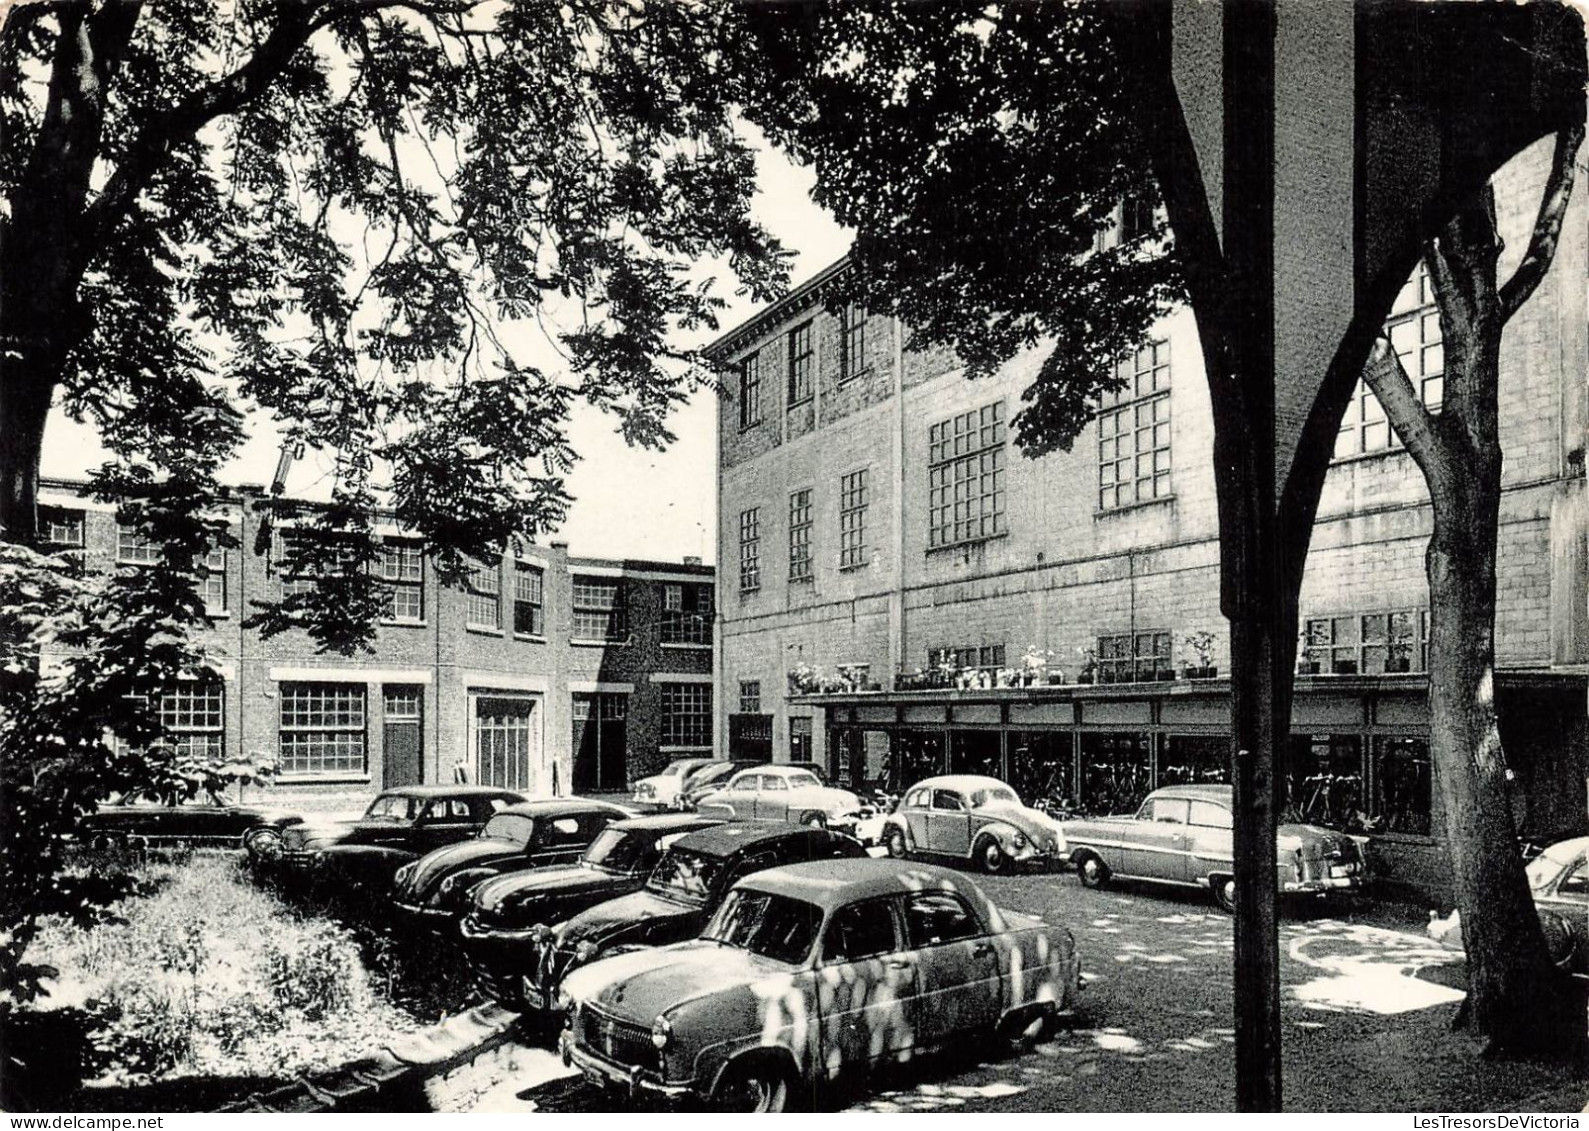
435, 918
604, 1073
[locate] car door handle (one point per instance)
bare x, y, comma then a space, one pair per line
899, 964
982, 948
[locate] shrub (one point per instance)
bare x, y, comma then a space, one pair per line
312, 970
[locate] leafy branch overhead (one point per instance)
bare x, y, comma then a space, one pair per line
416, 232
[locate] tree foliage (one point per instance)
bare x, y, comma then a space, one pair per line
979, 152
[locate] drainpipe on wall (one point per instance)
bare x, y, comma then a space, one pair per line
896, 593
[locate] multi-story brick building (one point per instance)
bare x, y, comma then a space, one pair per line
546, 672
903, 591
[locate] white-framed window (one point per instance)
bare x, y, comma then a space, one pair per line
686, 714
529, 599
195, 714
973, 657
852, 519
297, 572
750, 696
750, 550
750, 390
599, 612
1366, 643
965, 477
484, 592
323, 729
800, 535
212, 586
403, 570
1414, 332
686, 613
62, 529
132, 548
1134, 431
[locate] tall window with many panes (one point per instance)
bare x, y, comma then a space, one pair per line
1414, 332
403, 570
599, 609
750, 391
687, 714
802, 360
800, 535
750, 550
852, 519
965, 477
1134, 431
750, 696
484, 595
322, 729
852, 340
195, 714
529, 600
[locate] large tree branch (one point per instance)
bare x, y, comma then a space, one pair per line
1547, 223
1414, 424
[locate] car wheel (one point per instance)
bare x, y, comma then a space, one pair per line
755, 1088
263, 844
895, 842
991, 857
1092, 871
1017, 1033
1224, 889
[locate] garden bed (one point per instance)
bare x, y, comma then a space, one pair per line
207, 977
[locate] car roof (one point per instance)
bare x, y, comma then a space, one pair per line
665, 822
959, 781
443, 790
724, 840
834, 883
1220, 793
781, 769
562, 806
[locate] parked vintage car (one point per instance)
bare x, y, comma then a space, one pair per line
785, 793
662, 789
679, 896
977, 819
399, 826
533, 834
814, 971
1182, 835
510, 915
1559, 880
174, 816
709, 779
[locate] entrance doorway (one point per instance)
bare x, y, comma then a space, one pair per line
506, 741
601, 742
402, 741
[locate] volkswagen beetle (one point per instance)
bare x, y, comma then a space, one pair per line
976, 819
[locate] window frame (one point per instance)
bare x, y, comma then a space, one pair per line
852, 341
325, 717
482, 589
689, 622
1415, 306
1143, 656
686, 715
1120, 418
750, 385
802, 363
854, 499
524, 599
750, 700
613, 613
966, 451
1352, 649
750, 550
402, 566
800, 535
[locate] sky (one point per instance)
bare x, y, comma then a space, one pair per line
627, 502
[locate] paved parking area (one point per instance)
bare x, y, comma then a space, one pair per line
1367, 1002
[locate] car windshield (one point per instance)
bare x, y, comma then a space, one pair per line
803, 780
773, 926
392, 808
993, 795
618, 850
513, 827
685, 876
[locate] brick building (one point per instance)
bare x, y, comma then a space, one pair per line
548, 673
904, 592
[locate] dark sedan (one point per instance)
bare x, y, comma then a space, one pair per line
435, 888
679, 897
399, 826
173, 816
510, 914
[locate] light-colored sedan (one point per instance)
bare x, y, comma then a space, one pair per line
784, 793
663, 788
971, 818
1182, 835
810, 972
1558, 879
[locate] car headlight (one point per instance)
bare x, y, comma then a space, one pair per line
1018, 840
540, 933
586, 950
403, 875
661, 1032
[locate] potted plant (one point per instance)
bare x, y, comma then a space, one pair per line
1201, 646
1400, 656
1089, 665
